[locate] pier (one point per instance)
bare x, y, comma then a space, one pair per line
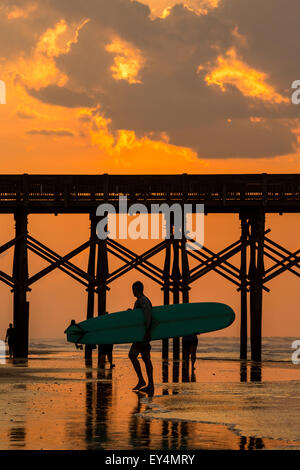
250, 196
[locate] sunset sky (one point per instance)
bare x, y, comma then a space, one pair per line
153, 86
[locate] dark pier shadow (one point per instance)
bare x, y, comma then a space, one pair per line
17, 437
175, 434
17, 434
255, 371
251, 443
139, 428
98, 403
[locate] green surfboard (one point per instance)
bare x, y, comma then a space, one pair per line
168, 321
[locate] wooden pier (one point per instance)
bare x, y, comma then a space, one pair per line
251, 196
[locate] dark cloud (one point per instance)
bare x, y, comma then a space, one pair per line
18, 36
271, 28
25, 115
172, 97
62, 96
51, 132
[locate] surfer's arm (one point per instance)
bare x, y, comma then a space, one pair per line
147, 311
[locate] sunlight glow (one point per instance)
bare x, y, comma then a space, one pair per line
128, 61
231, 70
40, 69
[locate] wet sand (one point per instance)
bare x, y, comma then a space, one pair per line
56, 402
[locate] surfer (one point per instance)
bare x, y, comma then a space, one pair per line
10, 339
142, 347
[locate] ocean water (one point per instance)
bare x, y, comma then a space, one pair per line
274, 349
56, 400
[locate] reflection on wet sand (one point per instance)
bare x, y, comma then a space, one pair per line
170, 433
251, 443
139, 428
98, 403
60, 402
175, 434
255, 371
17, 434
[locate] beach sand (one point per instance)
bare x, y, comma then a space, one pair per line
55, 402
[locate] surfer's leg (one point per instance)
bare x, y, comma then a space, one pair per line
133, 356
149, 369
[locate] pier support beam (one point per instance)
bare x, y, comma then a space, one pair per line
102, 274
243, 276
256, 273
166, 291
20, 274
175, 281
185, 272
91, 273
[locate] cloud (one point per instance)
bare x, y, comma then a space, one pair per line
230, 70
62, 96
51, 132
196, 76
24, 114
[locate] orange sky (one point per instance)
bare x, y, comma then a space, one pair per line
41, 133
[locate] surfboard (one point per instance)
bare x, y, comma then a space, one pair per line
168, 321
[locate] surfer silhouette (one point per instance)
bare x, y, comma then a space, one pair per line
142, 347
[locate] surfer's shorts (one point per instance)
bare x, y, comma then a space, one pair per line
141, 347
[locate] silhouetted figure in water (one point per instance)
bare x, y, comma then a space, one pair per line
10, 339
142, 347
189, 349
106, 351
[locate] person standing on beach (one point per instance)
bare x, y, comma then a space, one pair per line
10, 339
189, 349
142, 347
106, 350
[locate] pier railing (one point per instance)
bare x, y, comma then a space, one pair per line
219, 193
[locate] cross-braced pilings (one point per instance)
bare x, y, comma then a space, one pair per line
251, 196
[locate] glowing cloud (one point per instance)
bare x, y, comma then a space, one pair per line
163, 8
58, 40
40, 69
230, 70
16, 12
125, 149
127, 62
203, 8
